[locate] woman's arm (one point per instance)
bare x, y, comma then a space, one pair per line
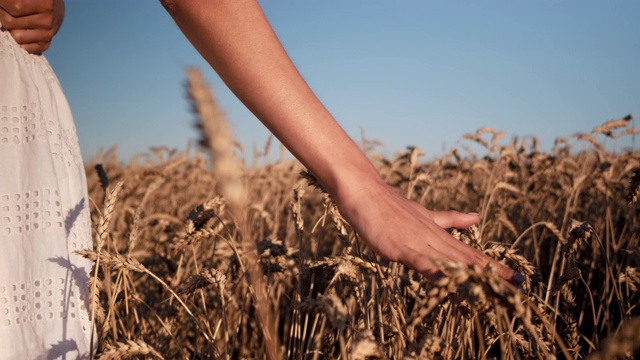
235, 37
32, 23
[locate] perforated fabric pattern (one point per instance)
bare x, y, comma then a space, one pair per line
24, 123
30, 211
44, 215
38, 301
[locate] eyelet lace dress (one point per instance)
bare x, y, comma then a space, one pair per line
44, 215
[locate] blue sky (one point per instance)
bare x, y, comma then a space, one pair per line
417, 73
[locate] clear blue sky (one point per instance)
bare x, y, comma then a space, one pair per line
409, 72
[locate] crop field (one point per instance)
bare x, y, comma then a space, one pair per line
217, 253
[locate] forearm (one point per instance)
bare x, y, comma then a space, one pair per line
236, 39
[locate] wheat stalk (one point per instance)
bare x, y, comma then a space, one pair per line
130, 348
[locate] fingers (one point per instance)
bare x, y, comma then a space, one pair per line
404, 231
36, 48
481, 260
471, 257
425, 264
34, 41
35, 21
454, 219
27, 7
461, 252
32, 23
444, 246
30, 36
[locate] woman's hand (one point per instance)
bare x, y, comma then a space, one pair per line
402, 230
32, 23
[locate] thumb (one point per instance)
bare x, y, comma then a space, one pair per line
454, 219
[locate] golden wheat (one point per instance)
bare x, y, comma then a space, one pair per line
190, 270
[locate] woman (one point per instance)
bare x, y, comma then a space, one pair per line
236, 39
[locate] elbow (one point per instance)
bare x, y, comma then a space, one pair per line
168, 5
172, 6
178, 8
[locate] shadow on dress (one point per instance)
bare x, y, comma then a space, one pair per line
73, 216
67, 349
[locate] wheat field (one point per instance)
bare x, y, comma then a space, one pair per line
200, 255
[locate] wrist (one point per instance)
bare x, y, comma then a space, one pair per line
354, 181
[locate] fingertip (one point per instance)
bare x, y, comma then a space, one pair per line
512, 276
34, 48
517, 278
476, 217
507, 273
466, 220
455, 219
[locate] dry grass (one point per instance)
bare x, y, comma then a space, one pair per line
180, 266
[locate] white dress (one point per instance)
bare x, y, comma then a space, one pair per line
44, 215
